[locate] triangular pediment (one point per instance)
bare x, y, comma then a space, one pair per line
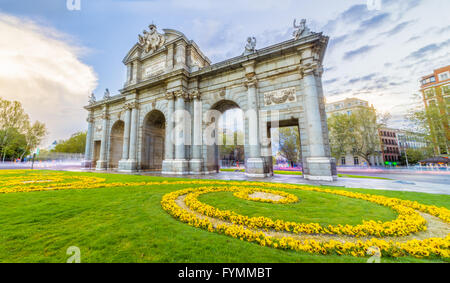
134, 53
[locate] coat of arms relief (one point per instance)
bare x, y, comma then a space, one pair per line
151, 40
281, 96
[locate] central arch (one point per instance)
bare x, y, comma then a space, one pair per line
228, 148
153, 135
116, 144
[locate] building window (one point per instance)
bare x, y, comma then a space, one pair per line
444, 76
446, 89
429, 93
342, 160
356, 160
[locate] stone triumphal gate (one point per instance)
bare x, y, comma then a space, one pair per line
167, 74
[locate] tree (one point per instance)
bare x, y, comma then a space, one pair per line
75, 144
356, 133
16, 145
415, 155
34, 135
340, 126
12, 118
365, 140
289, 143
429, 122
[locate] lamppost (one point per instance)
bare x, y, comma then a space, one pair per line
405, 147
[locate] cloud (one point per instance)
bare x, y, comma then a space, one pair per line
398, 28
413, 38
428, 49
40, 67
362, 79
331, 81
356, 52
373, 22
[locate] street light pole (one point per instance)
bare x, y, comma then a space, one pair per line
404, 149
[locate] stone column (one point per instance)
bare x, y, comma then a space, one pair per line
87, 162
179, 108
180, 164
130, 165
255, 165
167, 166
196, 163
318, 165
253, 119
102, 164
126, 138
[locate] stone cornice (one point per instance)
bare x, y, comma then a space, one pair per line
261, 54
102, 102
292, 45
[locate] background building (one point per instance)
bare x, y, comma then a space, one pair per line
408, 139
435, 89
389, 145
348, 106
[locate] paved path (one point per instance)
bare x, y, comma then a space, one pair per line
400, 184
412, 181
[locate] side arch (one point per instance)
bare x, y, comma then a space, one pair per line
153, 140
116, 143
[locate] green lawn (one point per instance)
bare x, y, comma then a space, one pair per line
127, 224
282, 172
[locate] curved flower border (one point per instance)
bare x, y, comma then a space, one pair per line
438, 247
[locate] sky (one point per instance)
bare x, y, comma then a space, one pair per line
52, 57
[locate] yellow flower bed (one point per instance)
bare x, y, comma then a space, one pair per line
417, 248
251, 228
408, 221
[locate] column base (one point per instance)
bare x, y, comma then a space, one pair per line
127, 165
320, 169
175, 167
167, 166
101, 165
86, 164
196, 166
256, 167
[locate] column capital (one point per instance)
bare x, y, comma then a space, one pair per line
195, 94
170, 95
251, 81
181, 94
105, 116
313, 68
90, 118
126, 107
131, 105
